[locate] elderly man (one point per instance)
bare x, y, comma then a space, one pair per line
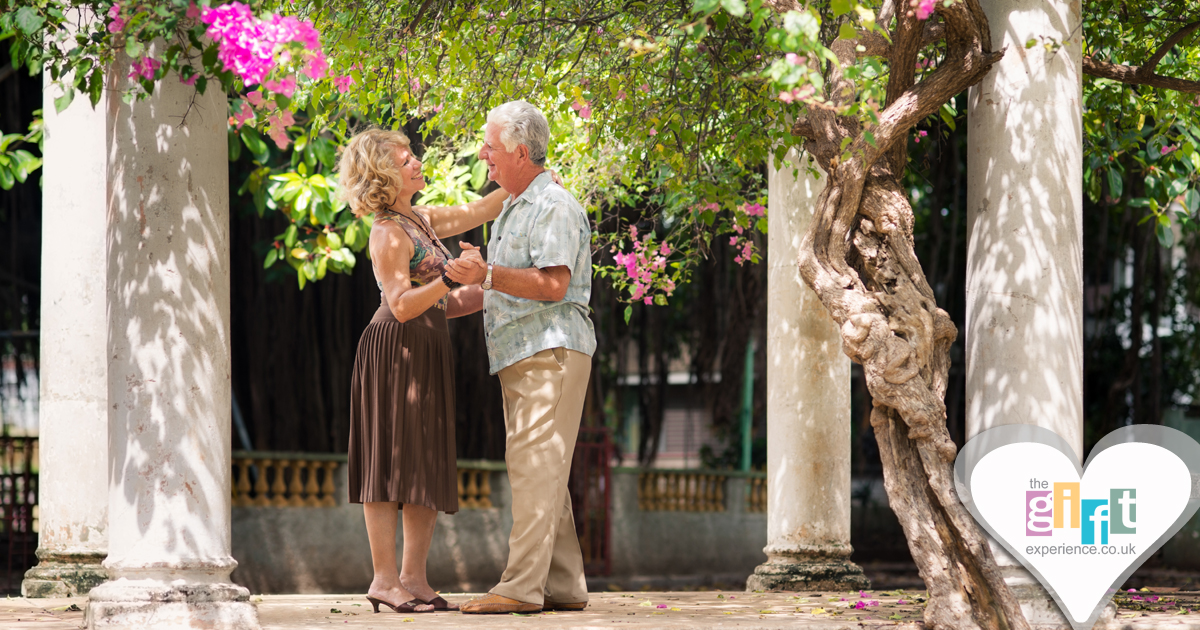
539, 341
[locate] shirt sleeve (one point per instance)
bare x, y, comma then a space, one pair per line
556, 236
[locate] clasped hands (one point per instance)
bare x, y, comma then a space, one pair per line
469, 268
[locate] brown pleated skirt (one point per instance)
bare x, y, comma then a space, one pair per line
402, 413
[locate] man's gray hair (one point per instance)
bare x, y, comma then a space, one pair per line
522, 123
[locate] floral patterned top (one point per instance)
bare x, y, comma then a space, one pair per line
543, 227
429, 255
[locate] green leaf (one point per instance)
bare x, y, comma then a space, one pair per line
255, 143
28, 21
235, 146
1166, 237
846, 31
1192, 200
63, 102
6, 178
1116, 183
628, 313
736, 8
352, 235
841, 7
1139, 202
134, 48
272, 256
289, 236
705, 6
334, 240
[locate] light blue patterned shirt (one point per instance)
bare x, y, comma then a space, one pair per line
543, 227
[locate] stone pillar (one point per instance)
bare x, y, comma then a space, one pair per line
808, 412
1024, 311
168, 347
73, 421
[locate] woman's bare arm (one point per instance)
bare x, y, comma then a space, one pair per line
392, 251
450, 220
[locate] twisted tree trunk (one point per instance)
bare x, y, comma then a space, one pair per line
858, 257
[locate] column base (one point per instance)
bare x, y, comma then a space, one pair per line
167, 605
814, 574
60, 574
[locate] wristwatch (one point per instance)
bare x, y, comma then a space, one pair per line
487, 281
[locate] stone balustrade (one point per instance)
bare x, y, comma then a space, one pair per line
695, 490
756, 498
284, 479
276, 479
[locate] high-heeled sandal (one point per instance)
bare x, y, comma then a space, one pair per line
439, 604
407, 607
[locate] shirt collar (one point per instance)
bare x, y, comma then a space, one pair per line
534, 189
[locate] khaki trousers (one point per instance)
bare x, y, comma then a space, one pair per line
543, 402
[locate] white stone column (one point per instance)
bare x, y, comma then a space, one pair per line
73, 417
169, 383
1024, 311
808, 411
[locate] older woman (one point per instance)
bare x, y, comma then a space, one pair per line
402, 451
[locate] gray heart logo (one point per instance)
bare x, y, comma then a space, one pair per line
1080, 531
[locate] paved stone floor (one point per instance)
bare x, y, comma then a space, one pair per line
1155, 608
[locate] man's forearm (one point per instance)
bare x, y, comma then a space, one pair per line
545, 285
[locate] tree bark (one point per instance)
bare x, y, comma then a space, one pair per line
858, 257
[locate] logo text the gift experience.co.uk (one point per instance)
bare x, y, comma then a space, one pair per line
1060, 506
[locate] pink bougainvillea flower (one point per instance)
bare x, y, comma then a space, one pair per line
279, 135
193, 11
794, 59
621, 95
648, 302
924, 8
117, 24
786, 97
585, 112
343, 83
190, 80
247, 45
665, 250
733, 240
920, 134
754, 210
285, 86
145, 68
645, 87
317, 66
245, 115
255, 98
1169, 149
653, 131
633, 231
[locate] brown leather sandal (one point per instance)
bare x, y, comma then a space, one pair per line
407, 607
440, 603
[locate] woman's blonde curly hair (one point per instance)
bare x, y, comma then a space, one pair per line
369, 177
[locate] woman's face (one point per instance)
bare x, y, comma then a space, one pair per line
411, 177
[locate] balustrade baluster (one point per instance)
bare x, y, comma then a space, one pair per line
241, 491
311, 489
296, 487
327, 487
485, 489
472, 489
260, 485
278, 487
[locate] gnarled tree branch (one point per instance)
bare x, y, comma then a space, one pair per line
1134, 75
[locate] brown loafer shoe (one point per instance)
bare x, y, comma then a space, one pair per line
573, 606
491, 604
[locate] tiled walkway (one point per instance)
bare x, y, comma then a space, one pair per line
643, 611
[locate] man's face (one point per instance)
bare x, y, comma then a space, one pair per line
499, 161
